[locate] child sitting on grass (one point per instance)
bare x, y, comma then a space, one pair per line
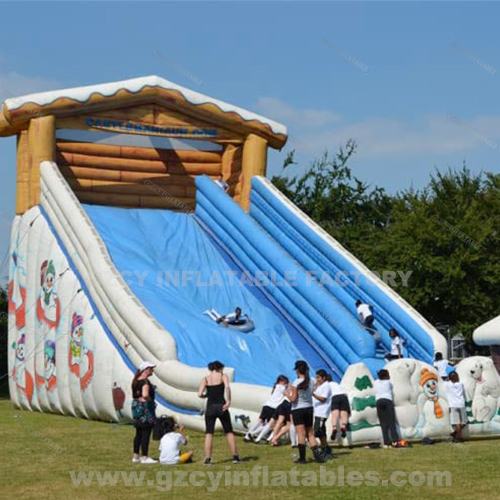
170, 443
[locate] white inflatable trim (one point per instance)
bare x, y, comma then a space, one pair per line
440, 344
488, 333
120, 308
134, 85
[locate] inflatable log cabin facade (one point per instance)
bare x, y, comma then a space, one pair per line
235, 140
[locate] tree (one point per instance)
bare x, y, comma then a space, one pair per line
447, 234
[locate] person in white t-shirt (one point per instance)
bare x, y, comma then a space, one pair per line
341, 409
222, 183
366, 316
322, 403
396, 346
455, 394
265, 424
385, 409
171, 442
441, 365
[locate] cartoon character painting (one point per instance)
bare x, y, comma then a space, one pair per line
118, 399
48, 380
48, 307
81, 359
432, 408
23, 378
483, 391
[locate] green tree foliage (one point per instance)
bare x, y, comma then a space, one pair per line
447, 234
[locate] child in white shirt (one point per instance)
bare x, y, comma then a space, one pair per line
385, 409
341, 409
170, 443
441, 365
322, 397
268, 416
396, 346
455, 394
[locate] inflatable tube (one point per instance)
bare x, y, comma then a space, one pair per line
246, 327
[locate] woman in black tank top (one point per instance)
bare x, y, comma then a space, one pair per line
215, 388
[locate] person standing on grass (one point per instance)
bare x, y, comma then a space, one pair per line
143, 412
215, 387
341, 409
385, 409
455, 394
322, 403
300, 394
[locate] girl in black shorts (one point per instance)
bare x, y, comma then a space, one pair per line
265, 423
341, 409
300, 394
282, 417
215, 387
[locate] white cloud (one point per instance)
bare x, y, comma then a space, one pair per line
382, 137
13, 84
304, 118
390, 137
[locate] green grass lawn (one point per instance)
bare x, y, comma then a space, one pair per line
39, 450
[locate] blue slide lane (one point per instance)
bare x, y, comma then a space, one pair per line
155, 249
320, 315
315, 254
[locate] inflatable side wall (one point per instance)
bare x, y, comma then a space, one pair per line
318, 252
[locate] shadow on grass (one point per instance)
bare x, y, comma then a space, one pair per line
251, 458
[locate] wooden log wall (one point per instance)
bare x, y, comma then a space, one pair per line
129, 176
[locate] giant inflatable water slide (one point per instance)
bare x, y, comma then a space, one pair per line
122, 240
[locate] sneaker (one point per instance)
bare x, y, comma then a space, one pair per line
299, 461
136, 460
343, 432
247, 439
236, 460
207, 461
334, 435
148, 460
385, 446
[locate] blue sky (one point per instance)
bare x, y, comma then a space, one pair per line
267, 57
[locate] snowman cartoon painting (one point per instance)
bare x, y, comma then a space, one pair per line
48, 306
81, 359
22, 377
48, 380
432, 408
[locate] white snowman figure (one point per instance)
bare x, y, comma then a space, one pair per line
22, 377
433, 409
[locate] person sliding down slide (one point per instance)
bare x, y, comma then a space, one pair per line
232, 319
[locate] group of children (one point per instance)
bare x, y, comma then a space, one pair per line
314, 403
302, 409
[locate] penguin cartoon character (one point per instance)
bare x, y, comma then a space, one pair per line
48, 307
79, 355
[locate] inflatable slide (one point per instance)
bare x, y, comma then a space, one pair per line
119, 248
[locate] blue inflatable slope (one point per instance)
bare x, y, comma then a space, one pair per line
178, 271
180, 265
